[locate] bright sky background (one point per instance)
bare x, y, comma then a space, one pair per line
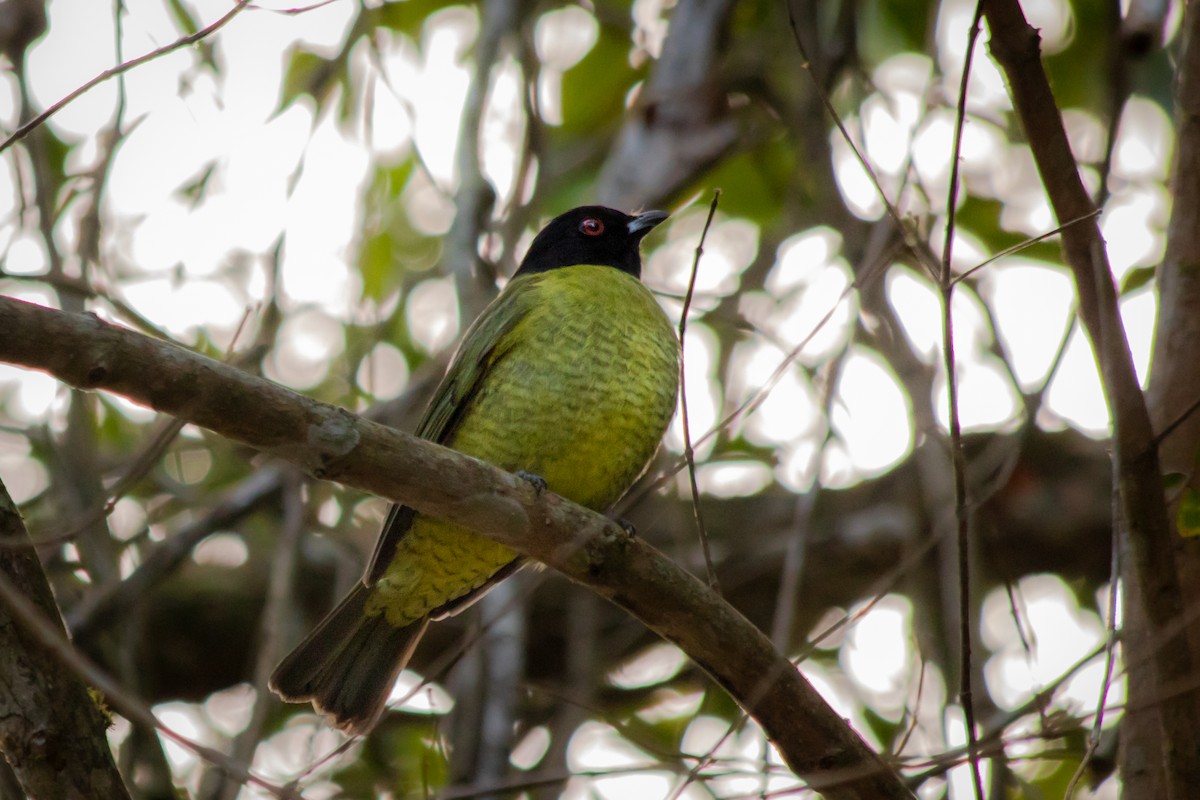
191, 268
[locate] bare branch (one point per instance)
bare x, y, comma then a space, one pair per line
958, 458
1151, 574
688, 452
681, 123
50, 637
51, 729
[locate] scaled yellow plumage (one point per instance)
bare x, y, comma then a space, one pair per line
572, 398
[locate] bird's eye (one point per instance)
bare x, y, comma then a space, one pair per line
591, 226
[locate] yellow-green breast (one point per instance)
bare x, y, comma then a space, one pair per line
579, 391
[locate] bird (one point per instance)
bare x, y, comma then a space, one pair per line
568, 378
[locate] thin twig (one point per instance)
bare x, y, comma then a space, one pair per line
756, 399
1119, 89
961, 512
1179, 420
993, 735
688, 452
1110, 644
709, 757
919, 249
1023, 245
66, 283
898, 746
1036, 398
112, 72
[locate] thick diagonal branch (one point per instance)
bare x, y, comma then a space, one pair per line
334, 444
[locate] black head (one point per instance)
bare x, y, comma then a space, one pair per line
591, 235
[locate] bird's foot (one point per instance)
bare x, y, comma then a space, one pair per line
626, 526
536, 481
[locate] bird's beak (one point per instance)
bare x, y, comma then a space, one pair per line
640, 225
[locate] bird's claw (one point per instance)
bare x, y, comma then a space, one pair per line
627, 526
536, 481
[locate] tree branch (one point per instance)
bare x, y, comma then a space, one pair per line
51, 730
1151, 571
681, 123
1174, 386
333, 444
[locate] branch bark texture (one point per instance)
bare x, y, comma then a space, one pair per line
51, 730
1174, 391
333, 444
681, 123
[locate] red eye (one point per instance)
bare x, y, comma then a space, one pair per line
592, 226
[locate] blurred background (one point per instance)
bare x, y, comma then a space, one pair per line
327, 194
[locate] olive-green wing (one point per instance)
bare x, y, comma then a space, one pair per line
485, 342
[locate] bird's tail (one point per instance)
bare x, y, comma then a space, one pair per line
348, 664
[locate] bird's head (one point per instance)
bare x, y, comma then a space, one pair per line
591, 235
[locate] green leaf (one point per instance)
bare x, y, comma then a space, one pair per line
884, 729
404, 747
663, 735
1187, 518
376, 264
389, 247
1079, 72
889, 27
718, 703
593, 91
1173, 481
981, 216
196, 189
1136, 279
183, 17
754, 183
309, 74
408, 16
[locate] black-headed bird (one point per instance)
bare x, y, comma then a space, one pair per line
569, 375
